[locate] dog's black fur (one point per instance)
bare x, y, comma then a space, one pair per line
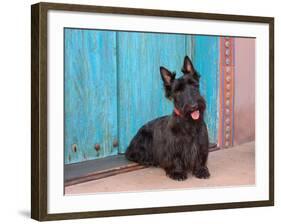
178, 143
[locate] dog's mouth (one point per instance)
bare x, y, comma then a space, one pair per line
195, 115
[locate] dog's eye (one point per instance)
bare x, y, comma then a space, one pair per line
196, 84
179, 87
193, 82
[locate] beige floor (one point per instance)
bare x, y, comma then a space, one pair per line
228, 167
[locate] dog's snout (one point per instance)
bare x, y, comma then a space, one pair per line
194, 107
190, 107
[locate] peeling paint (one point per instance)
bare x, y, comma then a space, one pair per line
113, 85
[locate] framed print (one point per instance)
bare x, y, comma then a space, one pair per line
138, 111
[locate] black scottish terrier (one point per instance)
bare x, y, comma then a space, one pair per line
178, 143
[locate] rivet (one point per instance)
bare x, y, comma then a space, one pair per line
227, 69
74, 147
227, 129
228, 86
227, 94
227, 111
227, 103
227, 43
115, 143
227, 136
227, 121
227, 61
227, 52
97, 147
228, 78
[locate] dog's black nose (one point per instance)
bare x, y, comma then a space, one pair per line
190, 107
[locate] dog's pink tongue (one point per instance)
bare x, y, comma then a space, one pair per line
195, 115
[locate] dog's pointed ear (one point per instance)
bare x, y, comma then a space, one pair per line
187, 67
167, 77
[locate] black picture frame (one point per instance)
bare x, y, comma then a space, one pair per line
39, 109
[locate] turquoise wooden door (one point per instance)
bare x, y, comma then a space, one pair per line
113, 85
90, 98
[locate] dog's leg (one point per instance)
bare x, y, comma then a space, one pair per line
175, 170
200, 169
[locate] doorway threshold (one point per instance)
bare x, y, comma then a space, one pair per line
85, 171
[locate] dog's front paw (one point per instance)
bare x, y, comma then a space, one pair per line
177, 175
202, 173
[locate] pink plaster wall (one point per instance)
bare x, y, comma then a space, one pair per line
244, 92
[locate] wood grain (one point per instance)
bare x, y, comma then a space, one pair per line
90, 109
206, 61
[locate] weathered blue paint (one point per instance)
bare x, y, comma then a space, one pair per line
206, 61
140, 88
113, 85
90, 108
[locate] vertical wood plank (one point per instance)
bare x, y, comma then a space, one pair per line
90, 94
206, 61
140, 88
